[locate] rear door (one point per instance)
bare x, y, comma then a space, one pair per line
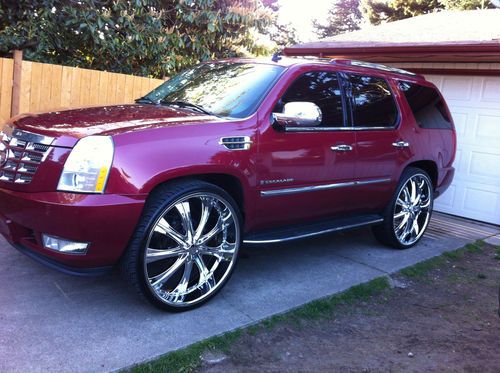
383, 144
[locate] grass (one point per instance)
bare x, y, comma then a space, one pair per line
189, 358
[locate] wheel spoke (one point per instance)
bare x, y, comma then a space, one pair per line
184, 210
206, 208
222, 223
415, 227
403, 222
164, 228
154, 255
400, 214
413, 195
224, 251
207, 280
159, 280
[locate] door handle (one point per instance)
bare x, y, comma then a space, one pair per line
401, 144
341, 148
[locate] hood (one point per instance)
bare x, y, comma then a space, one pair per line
68, 126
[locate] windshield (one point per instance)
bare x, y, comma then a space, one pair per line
227, 89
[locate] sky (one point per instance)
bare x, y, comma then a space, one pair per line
300, 13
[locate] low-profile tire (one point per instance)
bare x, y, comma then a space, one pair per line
185, 246
408, 214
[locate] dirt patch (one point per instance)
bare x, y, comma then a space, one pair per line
441, 316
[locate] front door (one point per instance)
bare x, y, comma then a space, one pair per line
306, 173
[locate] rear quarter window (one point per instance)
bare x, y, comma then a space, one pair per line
427, 106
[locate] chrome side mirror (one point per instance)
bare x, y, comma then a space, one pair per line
299, 114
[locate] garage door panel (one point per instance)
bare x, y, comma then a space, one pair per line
483, 164
458, 88
486, 131
490, 91
475, 106
474, 200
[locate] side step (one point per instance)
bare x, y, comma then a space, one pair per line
295, 232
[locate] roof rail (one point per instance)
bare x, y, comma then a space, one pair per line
371, 65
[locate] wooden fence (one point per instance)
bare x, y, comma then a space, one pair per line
46, 87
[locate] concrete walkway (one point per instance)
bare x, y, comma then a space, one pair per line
53, 322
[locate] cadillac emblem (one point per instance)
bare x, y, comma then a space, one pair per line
3, 154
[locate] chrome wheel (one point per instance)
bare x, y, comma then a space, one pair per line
191, 249
412, 210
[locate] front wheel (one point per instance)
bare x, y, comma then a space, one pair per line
186, 245
407, 216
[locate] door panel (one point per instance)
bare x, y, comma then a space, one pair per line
301, 178
304, 160
383, 143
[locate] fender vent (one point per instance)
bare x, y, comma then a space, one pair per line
236, 143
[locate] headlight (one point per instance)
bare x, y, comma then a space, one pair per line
87, 168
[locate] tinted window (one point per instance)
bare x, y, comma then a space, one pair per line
428, 108
228, 89
373, 103
321, 88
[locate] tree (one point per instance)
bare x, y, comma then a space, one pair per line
144, 37
343, 16
466, 4
387, 11
377, 12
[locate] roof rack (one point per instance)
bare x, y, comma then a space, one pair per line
370, 65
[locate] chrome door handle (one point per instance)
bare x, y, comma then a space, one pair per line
341, 148
401, 144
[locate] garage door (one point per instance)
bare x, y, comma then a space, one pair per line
475, 106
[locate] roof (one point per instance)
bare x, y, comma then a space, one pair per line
438, 27
347, 64
456, 36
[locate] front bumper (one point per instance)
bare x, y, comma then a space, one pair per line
106, 221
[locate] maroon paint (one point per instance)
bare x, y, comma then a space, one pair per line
155, 144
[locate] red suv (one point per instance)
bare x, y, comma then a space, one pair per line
226, 152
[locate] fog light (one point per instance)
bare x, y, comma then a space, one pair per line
64, 246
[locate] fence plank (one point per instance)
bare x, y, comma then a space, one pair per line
56, 86
44, 103
6, 88
25, 87
76, 83
36, 86
66, 79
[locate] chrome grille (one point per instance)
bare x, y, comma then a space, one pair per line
23, 152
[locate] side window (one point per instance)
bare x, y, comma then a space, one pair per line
426, 104
373, 104
321, 88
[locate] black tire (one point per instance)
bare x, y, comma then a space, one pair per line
386, 232
162, 200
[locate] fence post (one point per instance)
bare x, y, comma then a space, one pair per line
16, 82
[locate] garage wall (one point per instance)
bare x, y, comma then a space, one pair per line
474, 102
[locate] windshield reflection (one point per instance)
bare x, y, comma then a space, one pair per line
228, 89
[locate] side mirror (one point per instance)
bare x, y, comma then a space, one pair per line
298, 114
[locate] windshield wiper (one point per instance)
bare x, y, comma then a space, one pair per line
185, 104
146, 100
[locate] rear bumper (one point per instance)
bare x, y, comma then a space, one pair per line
106, 221
445, 178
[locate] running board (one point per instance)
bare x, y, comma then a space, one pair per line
295, 232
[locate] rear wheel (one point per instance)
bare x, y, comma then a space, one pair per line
407, 216
186, 245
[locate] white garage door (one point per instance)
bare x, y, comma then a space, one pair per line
475, 106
